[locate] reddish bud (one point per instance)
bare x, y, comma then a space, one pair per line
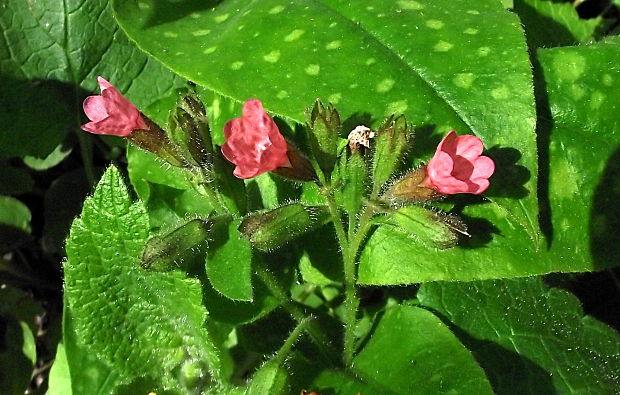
111, 113
458, 167
254, 143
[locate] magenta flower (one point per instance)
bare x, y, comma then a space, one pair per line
111, 113
457, 166
254, 143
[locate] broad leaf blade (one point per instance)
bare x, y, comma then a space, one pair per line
229, 261
376, 60
50, 56
553, 24
143, 323
412, 351
528, 338
584, 152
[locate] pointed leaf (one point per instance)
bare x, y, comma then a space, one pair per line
412, 351
229, 260
529, 338
143, 323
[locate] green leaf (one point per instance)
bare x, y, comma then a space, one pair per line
529, 338
63, 202
18, 354
60, 378
581, 213
229, 261
142, 323
366, 59
14, 213
341, 383
273, 229
554, 24
412, 351
236, 312
55, 157
50, 57
167, 191
88, 373
14, 223
144, 167
583, 154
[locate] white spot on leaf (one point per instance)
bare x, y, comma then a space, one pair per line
443, 46
294, 35
434, 24
313, 69
385, 85
273, 56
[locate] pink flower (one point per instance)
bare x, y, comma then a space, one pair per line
457, 166
111, 113
254, 143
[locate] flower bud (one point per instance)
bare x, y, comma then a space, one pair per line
161, 251
391, 144
428, 227
272, 229
323, 129
300, 168
155, 140
189, 129
354, 177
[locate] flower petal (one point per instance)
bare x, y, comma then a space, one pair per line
253, 142
94, 108
440, 166
448, 143
469, 147
484, 167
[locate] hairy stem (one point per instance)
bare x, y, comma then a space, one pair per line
277, 290
291, 339
351, 302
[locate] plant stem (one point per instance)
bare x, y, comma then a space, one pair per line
214, 198
277, 290
86, 152
351, 302
290, 340
336, 219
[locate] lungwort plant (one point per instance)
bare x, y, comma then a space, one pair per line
333, 197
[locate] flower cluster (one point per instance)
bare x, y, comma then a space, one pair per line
255, 145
